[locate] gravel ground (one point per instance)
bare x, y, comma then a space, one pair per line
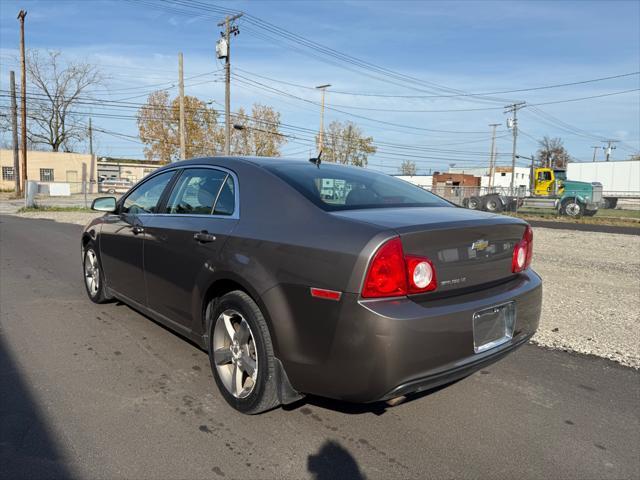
591, 293
591, 289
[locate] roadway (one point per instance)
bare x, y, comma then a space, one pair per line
100, 391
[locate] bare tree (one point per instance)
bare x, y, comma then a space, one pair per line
158, 127
408, 168
257, 134
552, 153
345, 143
57, 88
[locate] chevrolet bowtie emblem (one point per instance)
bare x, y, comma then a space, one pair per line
479, 245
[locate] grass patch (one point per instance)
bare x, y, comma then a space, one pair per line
44, 208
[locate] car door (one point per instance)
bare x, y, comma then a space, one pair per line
183, 242
122, 237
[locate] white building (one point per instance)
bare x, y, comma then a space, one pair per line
501, 176
424, 181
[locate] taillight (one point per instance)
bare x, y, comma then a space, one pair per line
387, 276
422, 275
523, 252
392, 274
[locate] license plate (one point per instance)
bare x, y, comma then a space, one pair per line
493, 326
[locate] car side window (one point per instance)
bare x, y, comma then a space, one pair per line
145, 198
196, 191
226, 203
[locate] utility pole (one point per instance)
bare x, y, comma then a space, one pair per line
183, 144
609, 149
23, 81
514, 128
223, 49
595, 151
492, 156
14, 127
90, 138
322, 88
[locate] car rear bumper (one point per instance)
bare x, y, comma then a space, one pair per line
379, 349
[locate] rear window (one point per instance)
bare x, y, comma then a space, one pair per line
334, 187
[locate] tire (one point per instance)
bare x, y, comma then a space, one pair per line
610, 202
590, 213
111, 191
474, 203
493, 204
572, 208
93, 275
239, 340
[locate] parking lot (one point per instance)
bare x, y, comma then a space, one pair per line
102, 391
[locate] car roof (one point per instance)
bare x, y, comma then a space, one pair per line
223, 161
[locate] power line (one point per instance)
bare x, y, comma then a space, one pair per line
529, 89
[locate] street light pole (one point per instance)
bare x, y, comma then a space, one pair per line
321, 134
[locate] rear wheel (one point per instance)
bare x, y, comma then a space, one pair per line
474, 203
492, 203
572, 207
590, 213
241, 354
610, 202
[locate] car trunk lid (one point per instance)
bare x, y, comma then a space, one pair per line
467, 248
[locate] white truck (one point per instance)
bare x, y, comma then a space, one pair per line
619, 179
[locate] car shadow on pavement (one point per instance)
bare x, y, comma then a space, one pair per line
333, 461
376, 408
27, 446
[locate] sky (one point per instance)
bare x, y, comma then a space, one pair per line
406, 82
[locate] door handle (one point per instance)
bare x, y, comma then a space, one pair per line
204, 237
137, 230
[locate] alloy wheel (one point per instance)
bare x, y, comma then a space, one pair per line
92, 272
234, 353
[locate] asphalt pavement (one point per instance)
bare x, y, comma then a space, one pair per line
101, 391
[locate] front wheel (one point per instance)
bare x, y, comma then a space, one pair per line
241, 354
93, 276
572, 208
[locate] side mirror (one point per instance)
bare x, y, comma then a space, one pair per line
104, 204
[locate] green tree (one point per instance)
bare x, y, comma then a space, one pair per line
345, 143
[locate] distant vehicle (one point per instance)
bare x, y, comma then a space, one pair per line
370, 296
114, 186
620, 179
551, 190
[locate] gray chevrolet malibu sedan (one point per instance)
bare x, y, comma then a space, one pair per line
307, 278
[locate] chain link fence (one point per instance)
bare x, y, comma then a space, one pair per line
74, 194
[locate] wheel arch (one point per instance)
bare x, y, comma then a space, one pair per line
221, 284
228, 282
